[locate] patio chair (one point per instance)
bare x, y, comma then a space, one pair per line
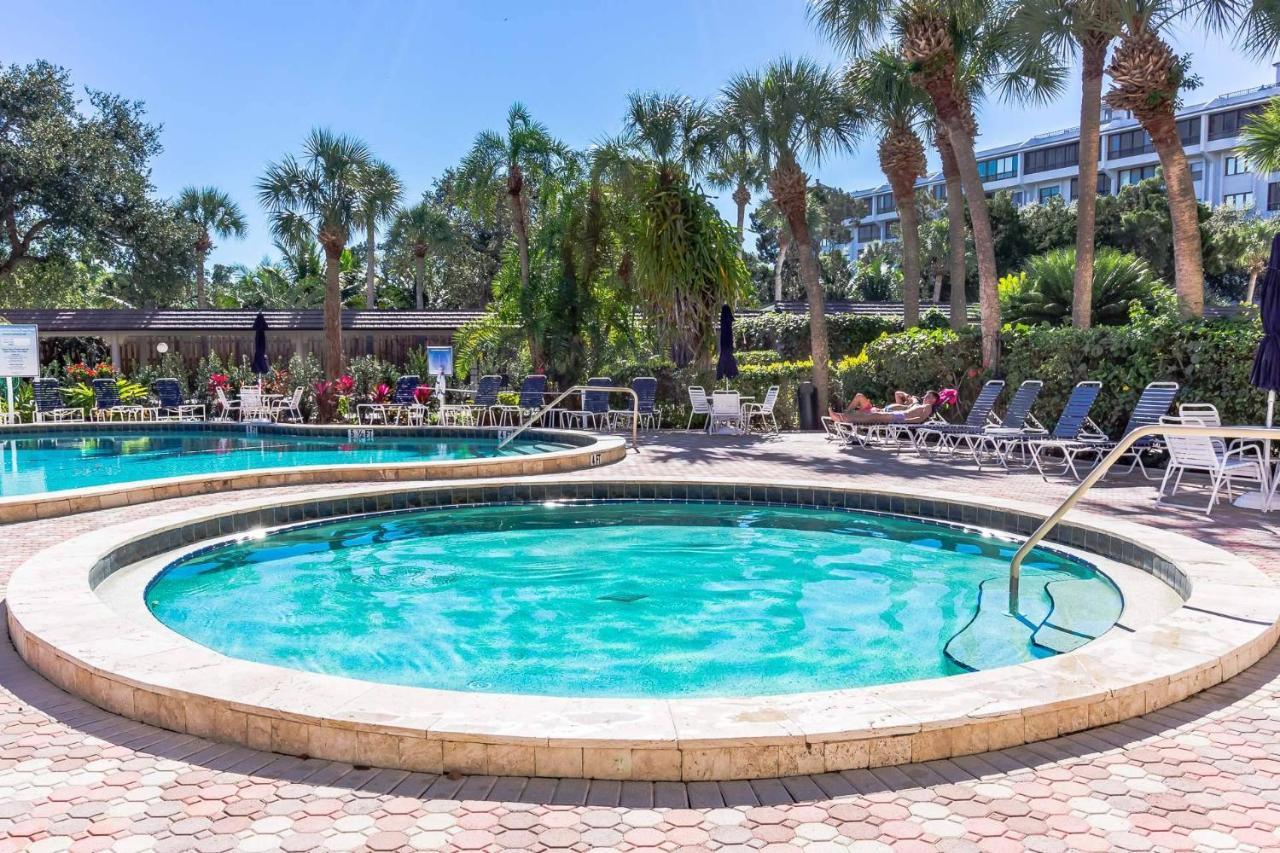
49, 405
1072, 430
986, 439
762, 411
646, 388
107, 405
1153, 404
253, 406
171, 406
698, 404
1200, 453
226, 407
978, 419
289, 407
726, 409
480, 410
594, 413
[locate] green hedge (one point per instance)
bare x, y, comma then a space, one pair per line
787, 334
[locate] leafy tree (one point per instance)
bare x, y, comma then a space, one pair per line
320, 194
881, 85
877, 275
1241, 244
213, 213
1260, 138
1044, 291
418, 230
379, 200
796, 110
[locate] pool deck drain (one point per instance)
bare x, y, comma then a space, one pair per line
1197, 775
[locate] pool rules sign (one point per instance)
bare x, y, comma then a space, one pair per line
19, 356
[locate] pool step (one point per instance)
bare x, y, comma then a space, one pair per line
993, 637
1074, 617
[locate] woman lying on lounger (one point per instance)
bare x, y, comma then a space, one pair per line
905, 410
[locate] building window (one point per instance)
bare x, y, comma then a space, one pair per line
885, 203
1057, 157
1131, 143
1224, 125
998, 168
1104, 184
868, 232
1016, 198
1273, 196
891, 230
1235, 165
1240, 201
1047, 193
940, 192
1189, 131
1132, 176
1074, 191
1197, 170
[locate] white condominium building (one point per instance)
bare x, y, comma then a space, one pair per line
1048, 165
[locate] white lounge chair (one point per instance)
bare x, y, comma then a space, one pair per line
1201, 454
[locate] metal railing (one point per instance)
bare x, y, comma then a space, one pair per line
608, 389
1100, 470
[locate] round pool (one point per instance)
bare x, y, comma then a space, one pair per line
55, 460
630, 599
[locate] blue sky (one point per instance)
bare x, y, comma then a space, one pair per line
237, 84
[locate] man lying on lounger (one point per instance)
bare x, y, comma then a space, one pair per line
905, 410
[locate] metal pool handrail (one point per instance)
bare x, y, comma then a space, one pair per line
1100, 470
536, 416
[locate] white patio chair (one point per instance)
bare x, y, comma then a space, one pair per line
762, 411
726, 409
252, 405
698, 404
1200, 454
290, 407
225, 405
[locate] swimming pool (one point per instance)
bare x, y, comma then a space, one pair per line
630, 599
40, 462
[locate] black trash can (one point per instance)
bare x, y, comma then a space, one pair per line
807, 406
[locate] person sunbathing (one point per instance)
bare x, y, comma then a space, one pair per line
912, 411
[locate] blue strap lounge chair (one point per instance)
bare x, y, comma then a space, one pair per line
1073, 427
106, 402
1153, 404
480, 409
978, 419
646, 388
531, 399
49, 405
169, 402
986, 439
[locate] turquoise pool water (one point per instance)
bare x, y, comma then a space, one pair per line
632, 599
38, 463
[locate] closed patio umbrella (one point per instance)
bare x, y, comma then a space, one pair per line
727, 366
260, 363
1266, 362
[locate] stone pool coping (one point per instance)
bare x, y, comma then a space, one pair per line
588, 451
63, 629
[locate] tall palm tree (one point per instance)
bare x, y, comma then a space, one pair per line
1085, 28
1147, 78
320, 194
500, 165
955, 50
881, 84
379, 200
958, 246
214, 213
796, 110
674, 131
421, 229
738, 169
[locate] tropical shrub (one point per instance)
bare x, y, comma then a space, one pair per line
787, 334
368, 371
80, 395
914, 361
1042, 292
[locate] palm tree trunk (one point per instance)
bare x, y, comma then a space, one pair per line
959, 270
202, 300
937, 287
370, 288
419, 279
1093, 58
1253, 282
741, 197
332, 311
1188, 262
909, 234
983, 242
783, 246
789, 186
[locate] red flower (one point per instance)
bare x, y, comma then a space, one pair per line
422, 394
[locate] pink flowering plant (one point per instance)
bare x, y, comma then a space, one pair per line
948, 397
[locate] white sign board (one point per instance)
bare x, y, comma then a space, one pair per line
19, 351
440, 361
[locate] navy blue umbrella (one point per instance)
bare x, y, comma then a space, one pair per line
260, 363
727, 366
1266, 363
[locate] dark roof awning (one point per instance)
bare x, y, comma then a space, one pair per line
89, 321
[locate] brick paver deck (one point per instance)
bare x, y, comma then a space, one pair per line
1202, 774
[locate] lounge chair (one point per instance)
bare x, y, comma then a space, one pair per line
594, 413
392, 409
975, 442
170, 405
1204, 454
978, 420
646, 388
531, 393
1072, 429
107, 405
762, 411
49, 405
1153, 404
480, 410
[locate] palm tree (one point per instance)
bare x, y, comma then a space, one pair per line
954, 50
792, 111
320, 194
673, 131
1086, 28
1260, 139
214, 214
736, 167
419, 230
881, 84
499, 165
959, 270
379, 200
1147, 78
